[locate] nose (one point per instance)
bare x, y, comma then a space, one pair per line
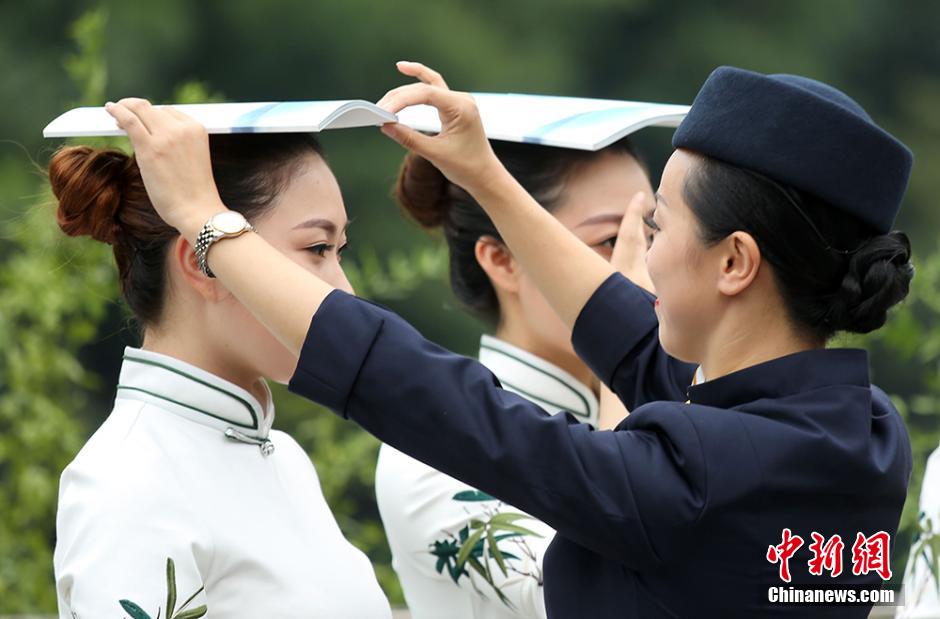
342, 282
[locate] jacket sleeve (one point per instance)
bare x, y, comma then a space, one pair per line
113, 545
617, 335
448, 411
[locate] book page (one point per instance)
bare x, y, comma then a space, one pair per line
570, 122
263, 117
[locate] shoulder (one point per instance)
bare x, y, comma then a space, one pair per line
403, 483
693, 425
125, 472
712, 445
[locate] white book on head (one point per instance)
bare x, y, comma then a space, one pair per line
568, 122
265, 117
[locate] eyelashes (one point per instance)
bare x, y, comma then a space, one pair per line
321, 249
649, 221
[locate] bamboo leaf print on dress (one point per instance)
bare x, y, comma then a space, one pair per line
136, 612
477, 542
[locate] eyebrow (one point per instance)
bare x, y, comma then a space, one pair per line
324, 224
659, 198
605, 218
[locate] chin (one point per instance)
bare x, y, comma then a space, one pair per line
674, 349
281, 377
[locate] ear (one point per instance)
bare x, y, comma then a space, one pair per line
498, 263
184, 259
740, 263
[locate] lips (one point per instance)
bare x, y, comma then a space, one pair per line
656, 304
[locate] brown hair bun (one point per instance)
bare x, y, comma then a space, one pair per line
422, 191
89, 184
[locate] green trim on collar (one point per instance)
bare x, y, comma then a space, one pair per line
242, 401
178, 403
587, 406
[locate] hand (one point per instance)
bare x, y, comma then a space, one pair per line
461, 150
172, 151
629, 255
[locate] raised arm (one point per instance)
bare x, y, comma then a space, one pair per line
565, 269
448, 411
172, 151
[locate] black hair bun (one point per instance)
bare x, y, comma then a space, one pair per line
879, 276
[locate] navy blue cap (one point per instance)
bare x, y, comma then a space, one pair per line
801, 133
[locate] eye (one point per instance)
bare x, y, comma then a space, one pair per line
610, 243
649, 221
320, 249
339, 252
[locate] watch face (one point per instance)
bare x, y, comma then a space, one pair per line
229, 222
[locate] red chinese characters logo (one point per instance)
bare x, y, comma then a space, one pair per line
781, 553
827, 555
869, 554
872, 554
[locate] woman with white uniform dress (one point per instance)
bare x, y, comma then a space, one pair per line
185, 502
773, 231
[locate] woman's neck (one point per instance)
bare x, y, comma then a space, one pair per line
738, 343
521, 338
191, 349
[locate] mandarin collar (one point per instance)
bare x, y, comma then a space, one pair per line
534, 378
196, 395
785, 376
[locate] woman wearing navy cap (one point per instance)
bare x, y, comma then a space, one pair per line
773, 218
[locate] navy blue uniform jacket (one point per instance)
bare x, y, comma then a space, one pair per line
672, 513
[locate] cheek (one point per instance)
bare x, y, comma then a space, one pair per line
329, 269
655, 266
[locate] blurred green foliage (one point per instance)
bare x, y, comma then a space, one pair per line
62, 328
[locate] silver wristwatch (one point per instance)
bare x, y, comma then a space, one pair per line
224, 225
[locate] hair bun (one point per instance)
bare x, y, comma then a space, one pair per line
421, 191
89, 185
878, 277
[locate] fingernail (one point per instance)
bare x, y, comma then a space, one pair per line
109, 104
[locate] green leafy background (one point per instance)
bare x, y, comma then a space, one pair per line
62, 327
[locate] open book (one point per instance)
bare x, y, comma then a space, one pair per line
271, 117
568, 122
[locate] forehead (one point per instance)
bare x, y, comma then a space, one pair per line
311, 190
675, 171
605, 184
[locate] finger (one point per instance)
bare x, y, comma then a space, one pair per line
631, 239
391, 93
447, 102
155, 119
129, 122
421, 72
632, 222
179, 116
410, 139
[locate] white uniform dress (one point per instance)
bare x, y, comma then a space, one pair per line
418, 508
921, 586
247, 528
